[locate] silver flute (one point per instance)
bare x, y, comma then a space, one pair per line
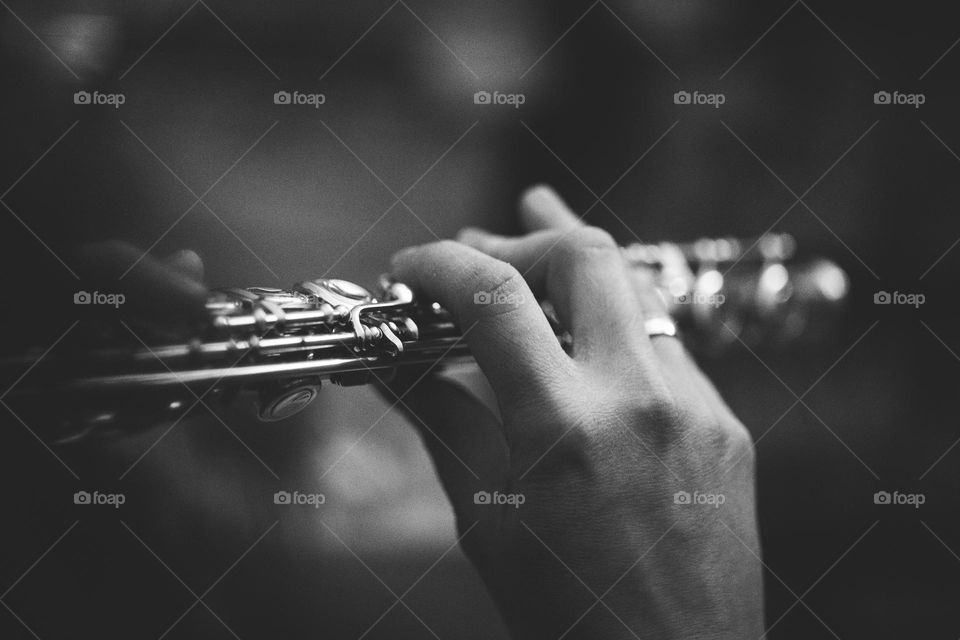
281, 344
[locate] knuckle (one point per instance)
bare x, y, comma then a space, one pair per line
683, 420
586, 240
656, 408
448, 248
432, 256
739, 442
496, 287
492, 285
723, 443
593, 237
502, 279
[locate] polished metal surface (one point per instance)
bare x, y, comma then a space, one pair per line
281, 344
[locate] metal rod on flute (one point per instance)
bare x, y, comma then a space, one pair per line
280, 344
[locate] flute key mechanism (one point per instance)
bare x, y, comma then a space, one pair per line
280, 400
281, 344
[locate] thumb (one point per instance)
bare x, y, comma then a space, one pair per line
460, 430
187, 263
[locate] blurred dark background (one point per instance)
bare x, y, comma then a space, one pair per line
297, 192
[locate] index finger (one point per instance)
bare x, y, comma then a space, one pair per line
542, 208
502, 321
152, 289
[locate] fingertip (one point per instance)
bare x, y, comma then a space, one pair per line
538, 190
541, 207
473, 237
402, 256
186, 262
533, 197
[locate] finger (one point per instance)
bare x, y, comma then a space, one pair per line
187, 263
678, 366
151, 288
651, 301
504, 326
463, 437
542, 208
583, 274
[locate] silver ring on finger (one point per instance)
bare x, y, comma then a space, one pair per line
660, 326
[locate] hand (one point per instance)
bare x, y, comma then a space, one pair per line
589, 451
173, 461
167, 293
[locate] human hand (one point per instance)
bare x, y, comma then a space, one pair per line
166, 293
637, 481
